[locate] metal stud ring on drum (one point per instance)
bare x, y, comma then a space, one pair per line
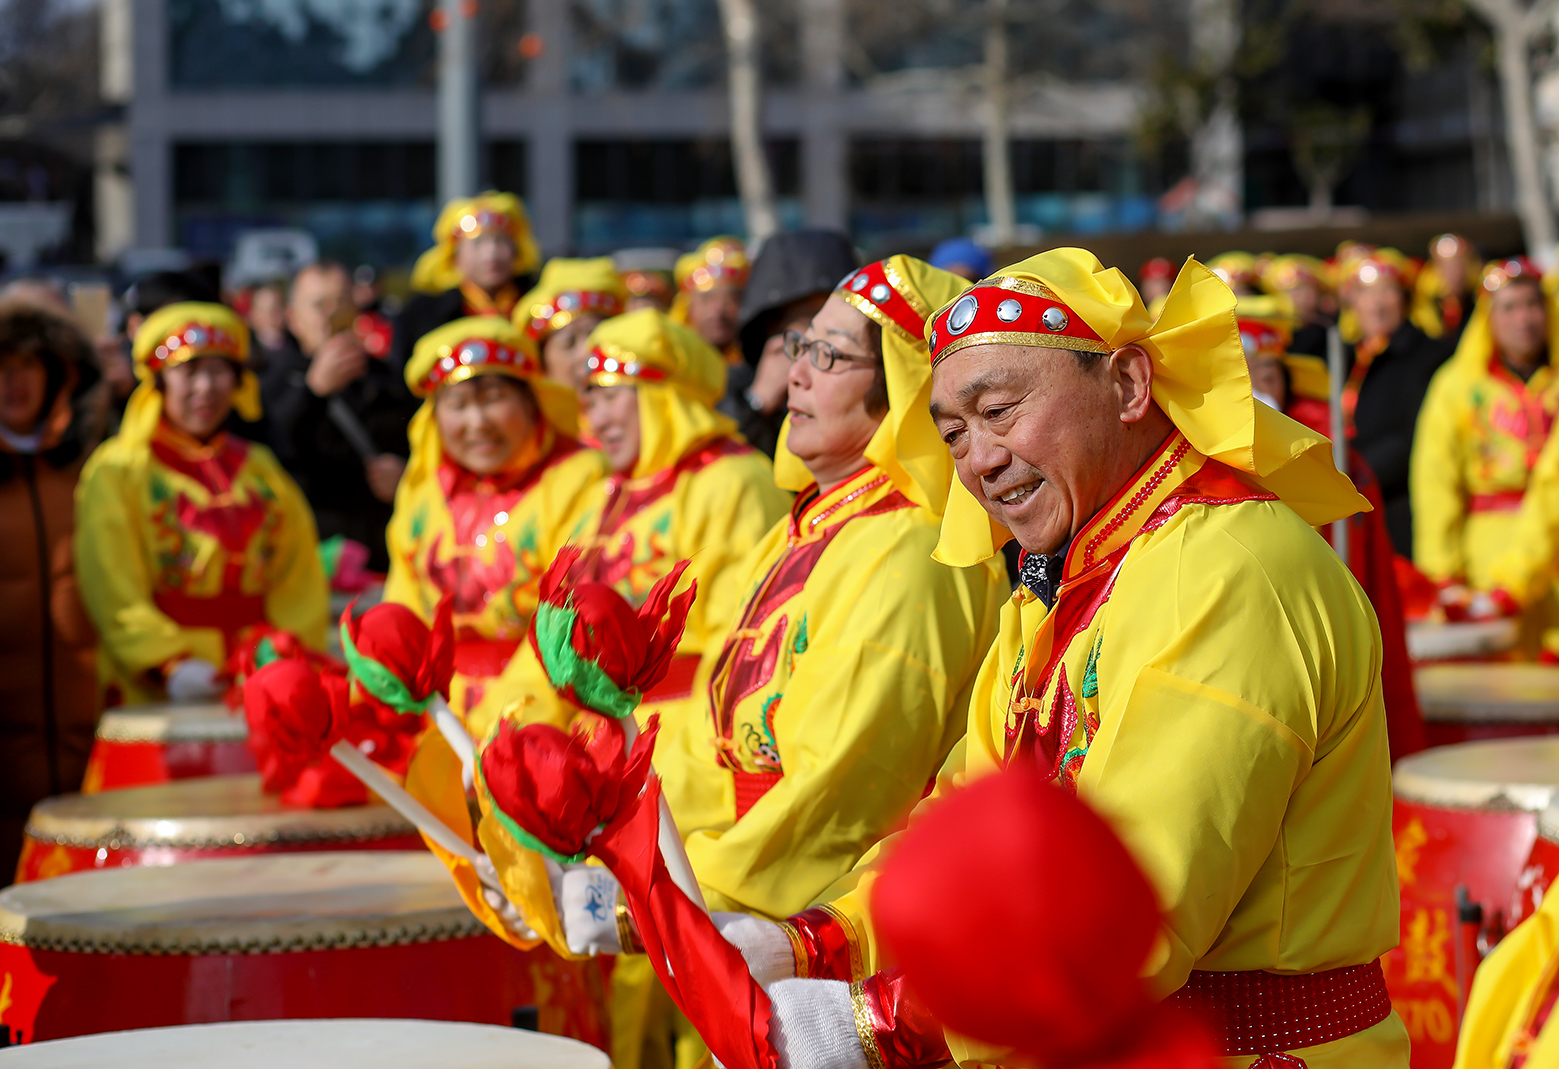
121, 839
398, 935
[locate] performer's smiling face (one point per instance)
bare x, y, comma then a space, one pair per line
1044, 438
487, 423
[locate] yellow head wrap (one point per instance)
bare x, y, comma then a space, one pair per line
679, 377
568, 289
455, 352
1235, 268
1283, 273
899, 294
721, 259
1200, 379
175, 335
1476, 347
467, 217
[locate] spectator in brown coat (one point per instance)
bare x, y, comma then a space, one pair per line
48, 671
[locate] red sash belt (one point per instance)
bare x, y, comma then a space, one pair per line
1504, 501
1266, 1013
750, 786
483, 658
678, 683
227, 613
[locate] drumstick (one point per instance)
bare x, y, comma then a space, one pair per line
455, 733
399, 799
672, 849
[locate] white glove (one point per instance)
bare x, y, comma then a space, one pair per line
813, 1025
587, 902
193, 680
763, 944
492, 891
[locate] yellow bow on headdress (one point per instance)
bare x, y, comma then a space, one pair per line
679, 376
1200, 381
455, 352
175, 335
467, 217
568, 289
899, 294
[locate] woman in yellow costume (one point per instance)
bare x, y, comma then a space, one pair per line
572, 298
1487, 414
482, 257
710, 283
494, 486
185, 535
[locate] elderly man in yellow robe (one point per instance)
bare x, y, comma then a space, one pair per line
187, 537
495, 484
1185, 651
1484, 422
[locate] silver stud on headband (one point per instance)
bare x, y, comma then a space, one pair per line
962, 315
1009, 310
1055, 319
880, 292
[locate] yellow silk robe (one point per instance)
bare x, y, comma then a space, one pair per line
1210, 681
834, 699
1479, 435
180, 546
486, 542
1510, 1008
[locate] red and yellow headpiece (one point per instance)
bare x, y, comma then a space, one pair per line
721, 259
567, 290
1502, 273
470, 217
1011, 311
881, 291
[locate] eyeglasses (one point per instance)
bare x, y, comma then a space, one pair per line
822, 355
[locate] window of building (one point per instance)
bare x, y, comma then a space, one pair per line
670, 44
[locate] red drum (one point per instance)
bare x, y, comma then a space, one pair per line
1539, 872
348, 1044
217, 816
1465, 815
139, 744
1462, 702
279, 936
1470, 640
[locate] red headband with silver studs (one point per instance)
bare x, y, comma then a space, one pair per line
1502, 273
1010, 311
483, 221
476, 356
190, 341
1259, 338
878, 291
609, 364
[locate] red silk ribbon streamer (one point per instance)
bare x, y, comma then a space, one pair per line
906, 1034
826, 944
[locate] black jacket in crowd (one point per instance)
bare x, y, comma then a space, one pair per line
1389, 399
422, 313
318, 453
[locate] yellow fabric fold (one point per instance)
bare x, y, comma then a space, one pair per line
906, 444
435, 270
1201, 382
676, 409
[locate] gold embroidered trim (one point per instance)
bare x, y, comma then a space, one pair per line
864, 1029
1022, 337
627, 935
871, 311
1022, 285
798, 949
857, 966
897, 281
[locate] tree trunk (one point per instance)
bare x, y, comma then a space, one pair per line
752, 165
1515, 78
997, 150
1218, 145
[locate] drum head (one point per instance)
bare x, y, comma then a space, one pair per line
205, 813
1483, 693
267, 903
166, 722
340, 1044
1438, 642
1516, 774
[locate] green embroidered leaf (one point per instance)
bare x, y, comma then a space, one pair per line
1090, 687
799, 646
378, 680
565, 668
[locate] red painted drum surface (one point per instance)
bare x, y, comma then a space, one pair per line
1464, 815
1479, 640
1463, 702
322, 935
340, 1044
139, 744
1539, 872
216, 816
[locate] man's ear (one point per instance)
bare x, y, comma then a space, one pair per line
1132, 369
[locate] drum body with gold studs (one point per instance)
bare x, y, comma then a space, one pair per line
140, 744
1465, 816
1497, 700
324, 935
337, 1044
215, 816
